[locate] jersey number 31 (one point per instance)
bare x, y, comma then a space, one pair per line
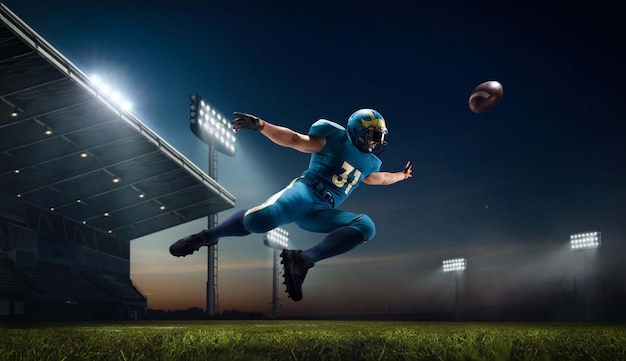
341, 180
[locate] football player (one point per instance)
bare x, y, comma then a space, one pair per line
341, 159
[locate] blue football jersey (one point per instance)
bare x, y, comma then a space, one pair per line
340, 166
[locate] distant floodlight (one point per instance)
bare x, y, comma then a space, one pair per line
211, 127
15, 112
582, 241
276, 238
457, 264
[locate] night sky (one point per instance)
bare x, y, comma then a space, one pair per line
504, 189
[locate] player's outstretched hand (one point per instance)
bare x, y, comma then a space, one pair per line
247, 121
408, 170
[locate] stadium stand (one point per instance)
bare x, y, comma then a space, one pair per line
10, 281
80, 178
122, 288
57, 282
13, 291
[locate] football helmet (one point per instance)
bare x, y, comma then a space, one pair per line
368, 131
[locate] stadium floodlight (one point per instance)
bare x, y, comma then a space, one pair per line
456, 265
276, 239
111, 93
585, 242
211, 127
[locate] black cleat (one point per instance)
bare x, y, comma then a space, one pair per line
190, 244
295, 268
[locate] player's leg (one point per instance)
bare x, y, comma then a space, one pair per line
346, 230
293, 202
281, 208
232, 226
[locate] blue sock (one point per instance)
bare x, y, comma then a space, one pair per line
336, 242
232, 226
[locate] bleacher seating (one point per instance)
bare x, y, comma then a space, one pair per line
54, 281
116, 287
10, 281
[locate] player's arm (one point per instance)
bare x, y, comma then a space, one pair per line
278, 134
386, 178
292, 139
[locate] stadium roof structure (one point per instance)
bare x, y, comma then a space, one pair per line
67, 147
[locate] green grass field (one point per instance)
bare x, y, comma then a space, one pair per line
312, 340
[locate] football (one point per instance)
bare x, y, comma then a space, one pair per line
485, 96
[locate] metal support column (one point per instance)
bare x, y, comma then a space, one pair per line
211, 286
275, 285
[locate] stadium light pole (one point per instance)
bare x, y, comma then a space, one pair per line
455, 265
214, 130
276, 239
584, 242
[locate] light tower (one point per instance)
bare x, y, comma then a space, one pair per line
276, 239
456, 265
214, 130
584, 242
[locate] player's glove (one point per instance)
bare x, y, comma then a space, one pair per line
407, 170
247, 121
